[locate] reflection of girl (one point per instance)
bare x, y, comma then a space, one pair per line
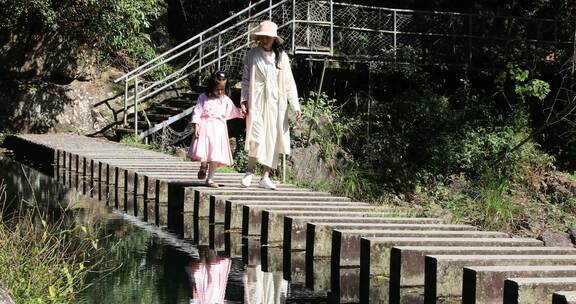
208, 277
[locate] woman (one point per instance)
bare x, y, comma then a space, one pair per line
267, 88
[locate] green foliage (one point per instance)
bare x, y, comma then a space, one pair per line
132, 140
45, 260
240, 155
524, 87
325, 124
116, 28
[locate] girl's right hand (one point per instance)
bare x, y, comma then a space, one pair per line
196, 130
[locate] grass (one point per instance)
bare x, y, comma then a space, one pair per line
133, 141
226, 169
43, 260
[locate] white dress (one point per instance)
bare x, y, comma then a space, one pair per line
268, 91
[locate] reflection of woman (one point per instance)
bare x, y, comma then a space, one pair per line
208, 277
264, 287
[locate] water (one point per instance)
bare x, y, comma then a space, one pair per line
152, 265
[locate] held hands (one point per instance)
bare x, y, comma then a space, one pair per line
243, 108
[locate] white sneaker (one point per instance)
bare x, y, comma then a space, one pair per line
247, 179
266, 183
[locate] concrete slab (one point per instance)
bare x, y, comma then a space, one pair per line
485, 284
234, 216
564, 297
408, 262
347, 242
375, 254
294, 227
252, 214
217, 202
217, 205
535, 290
443, 273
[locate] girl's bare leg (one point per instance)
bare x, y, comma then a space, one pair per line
211, 171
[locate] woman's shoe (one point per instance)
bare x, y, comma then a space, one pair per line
202, 171
247, 179
266, 183
211, 183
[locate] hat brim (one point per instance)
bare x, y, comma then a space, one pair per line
255, 36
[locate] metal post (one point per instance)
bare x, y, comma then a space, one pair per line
469, 40
331, 28
369, 101
308, 26
270, 11
293, 27
201, 54
219, 51
125, 102
136, 107
395, 32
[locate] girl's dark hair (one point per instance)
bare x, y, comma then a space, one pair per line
277, 48
214, 79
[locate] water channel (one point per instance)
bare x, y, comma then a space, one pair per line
153, 265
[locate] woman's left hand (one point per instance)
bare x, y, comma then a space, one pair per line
298, 116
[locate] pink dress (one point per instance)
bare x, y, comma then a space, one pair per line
213, 144
209, 280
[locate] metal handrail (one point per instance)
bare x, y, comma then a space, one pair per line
197, 60
252, 5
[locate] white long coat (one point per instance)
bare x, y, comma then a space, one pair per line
268, 91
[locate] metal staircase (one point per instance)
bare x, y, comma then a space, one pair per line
324, 28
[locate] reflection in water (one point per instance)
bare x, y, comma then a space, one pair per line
150, 265
24, 184
208, 277
264, 287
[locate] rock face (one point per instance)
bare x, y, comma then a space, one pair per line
308, 165
572, 232
553, 238
5, 296
38, 106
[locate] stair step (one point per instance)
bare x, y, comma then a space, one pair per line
180, 103
168, 110
158, 117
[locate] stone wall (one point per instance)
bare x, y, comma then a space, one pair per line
39, 105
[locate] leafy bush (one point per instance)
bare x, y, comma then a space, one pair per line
44, 260
119, 30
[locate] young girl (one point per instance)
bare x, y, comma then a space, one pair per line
210, 144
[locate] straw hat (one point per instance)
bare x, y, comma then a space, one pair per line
267, 28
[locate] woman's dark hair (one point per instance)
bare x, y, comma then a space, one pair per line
214, 79
277, 48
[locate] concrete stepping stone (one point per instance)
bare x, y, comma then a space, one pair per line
485, 284
535, 290
218, 206
407, 263
564, 297
443, 274
375, 254
252, 214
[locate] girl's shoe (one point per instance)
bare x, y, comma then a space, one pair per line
211, 183
266, 183
247, 179
202, 171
